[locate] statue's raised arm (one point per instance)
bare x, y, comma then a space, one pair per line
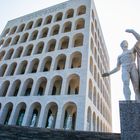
136, 35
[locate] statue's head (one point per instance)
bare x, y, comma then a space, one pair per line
124, 44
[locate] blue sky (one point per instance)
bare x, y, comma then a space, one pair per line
115, 16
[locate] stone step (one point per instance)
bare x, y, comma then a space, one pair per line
8, 132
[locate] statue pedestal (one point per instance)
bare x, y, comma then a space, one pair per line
130, 120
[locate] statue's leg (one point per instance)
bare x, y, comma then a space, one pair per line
126, 81
135, 82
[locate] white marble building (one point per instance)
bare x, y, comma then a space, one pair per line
51, 63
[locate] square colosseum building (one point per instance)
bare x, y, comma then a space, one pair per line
51, 63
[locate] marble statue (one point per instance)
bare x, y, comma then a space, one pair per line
129, 69
69, 123
33, 122
50, 121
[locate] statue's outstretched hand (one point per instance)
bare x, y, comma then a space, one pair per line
105, 74
129, 30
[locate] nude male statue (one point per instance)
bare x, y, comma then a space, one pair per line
129, 69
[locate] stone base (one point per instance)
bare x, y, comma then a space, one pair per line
26, 133
130, 120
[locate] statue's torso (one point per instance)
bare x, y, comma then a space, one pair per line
127, 58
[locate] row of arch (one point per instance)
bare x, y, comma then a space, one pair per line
94, 123
35, 116
42, 47
98, 79
103, 84
58, 17
98, 41
97, 100
48, 63
41, 86
36, 34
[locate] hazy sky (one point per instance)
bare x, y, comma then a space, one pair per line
115, 16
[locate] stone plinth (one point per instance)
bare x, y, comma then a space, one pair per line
26, 133
130, 120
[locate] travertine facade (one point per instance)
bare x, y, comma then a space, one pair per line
50, 64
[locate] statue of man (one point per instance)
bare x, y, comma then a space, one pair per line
129, 70
69, 123
50, 121
33, 122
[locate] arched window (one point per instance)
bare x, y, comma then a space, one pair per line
92, 29
89, 119
70, 13
60, 62
5, 117
13, 30
94, 121
78, 40
33, 66
11, 69
29, 25
15, 88
81, 10
48, 20
67, 27
18, 52
6, 32
22, 67
56, 85
55, 30
19, 115
34, 35
39, 48
21, 28
4, 88
96, 25
90, 90
44, 32
1, 43
28, 50
96, 38
7, 42
91, 65
75, 60
93, 16
98, 124
9, 54
73, 85
95, 73
50, 118
69, 116
51, 45
98, 100
58, 16
24, 38
3, 69
33, 116
15, 40
2, 53
40, 86
79, 24
64, 43
46, 64
94, 97
92, 46
38, 22
27, 87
